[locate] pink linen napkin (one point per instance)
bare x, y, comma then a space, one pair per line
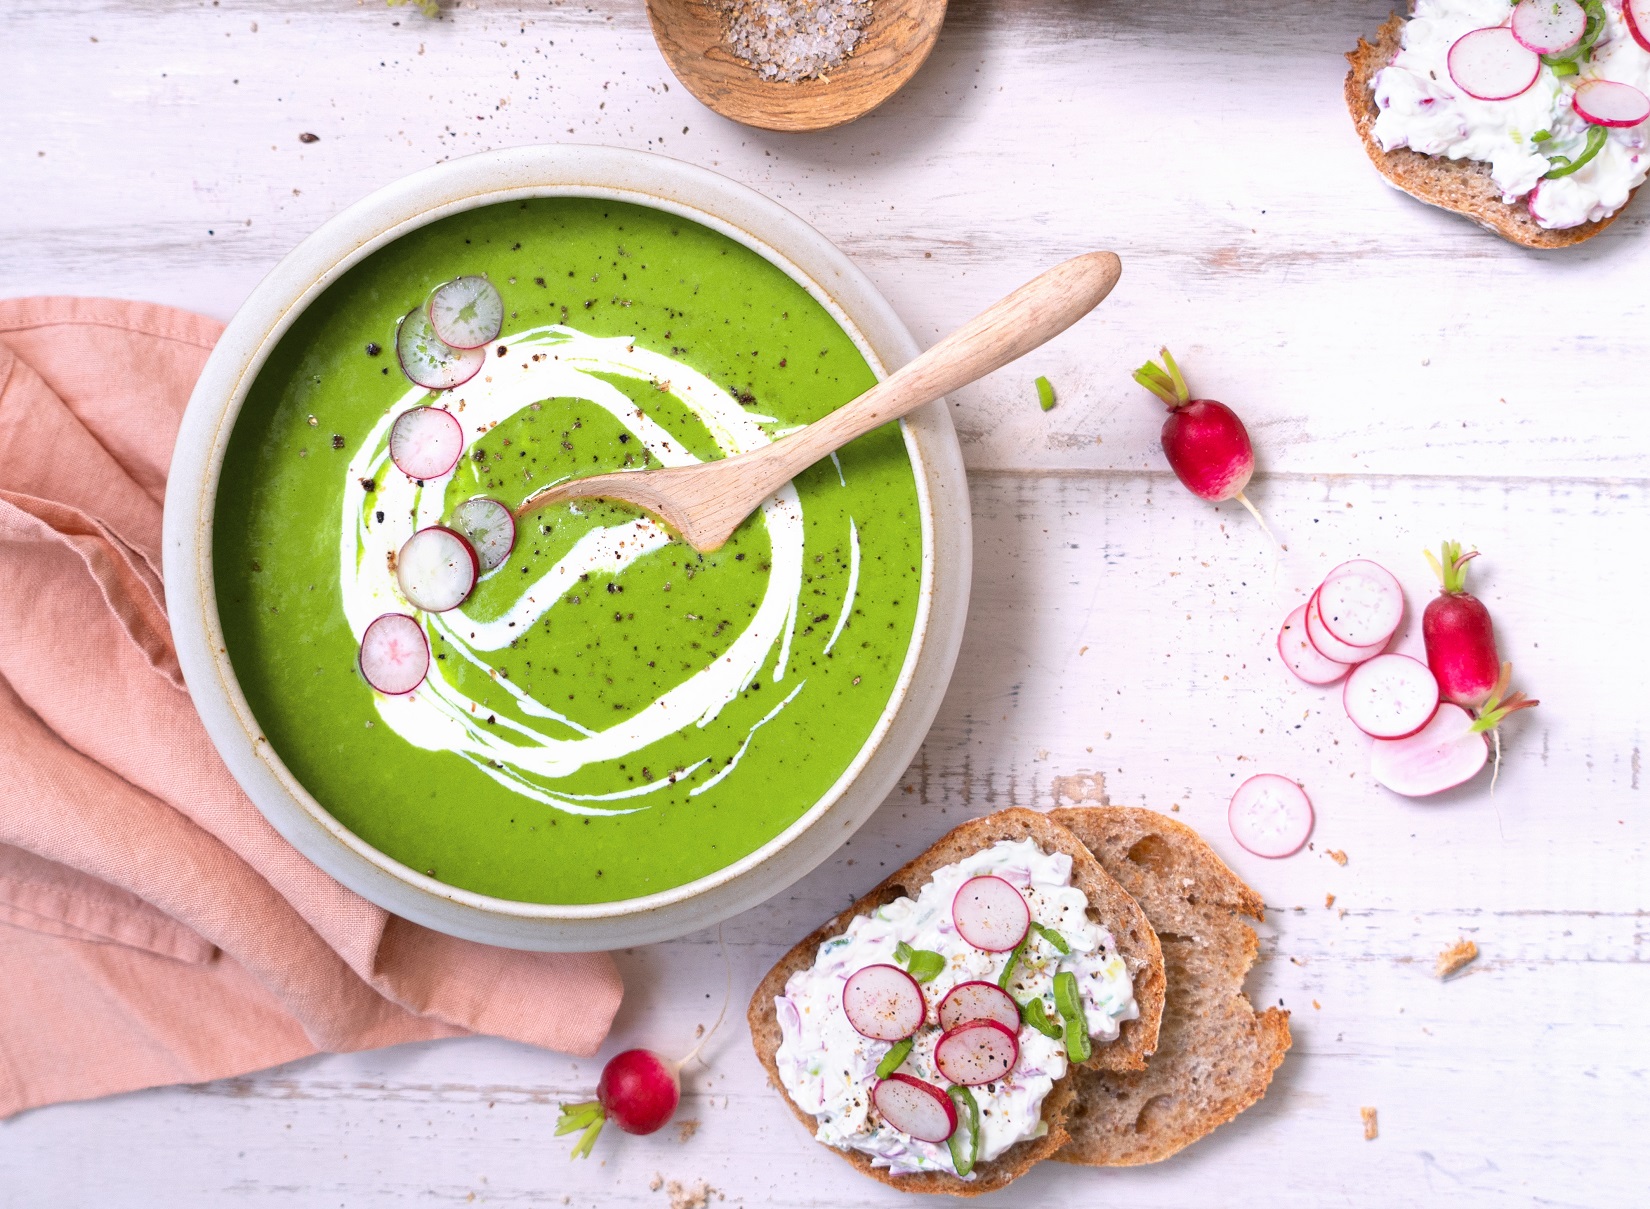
153, 927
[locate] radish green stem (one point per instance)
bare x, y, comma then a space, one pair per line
1452, 569
1497, 710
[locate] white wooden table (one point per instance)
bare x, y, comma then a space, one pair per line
1406, 377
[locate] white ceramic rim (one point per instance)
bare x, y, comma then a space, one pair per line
501, 176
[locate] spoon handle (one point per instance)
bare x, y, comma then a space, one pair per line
1026, 319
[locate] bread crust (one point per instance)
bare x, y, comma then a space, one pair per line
1108, 904
1215, 1056
1463, 186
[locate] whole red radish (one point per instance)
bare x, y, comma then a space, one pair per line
1207, 445
1459, 636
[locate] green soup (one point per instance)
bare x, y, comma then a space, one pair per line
609, 714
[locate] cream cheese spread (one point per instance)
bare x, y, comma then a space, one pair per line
829, 1069
1423, 109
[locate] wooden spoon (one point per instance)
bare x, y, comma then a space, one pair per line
894, 44
707, 501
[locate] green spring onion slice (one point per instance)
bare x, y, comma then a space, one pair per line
965, 1139
1013, 960
1563, 165
1069, 1001
1053, 938
1033, 1013
891, 1060
1045, 394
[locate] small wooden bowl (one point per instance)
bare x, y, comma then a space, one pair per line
894, 45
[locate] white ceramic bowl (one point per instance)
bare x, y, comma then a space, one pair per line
191, 494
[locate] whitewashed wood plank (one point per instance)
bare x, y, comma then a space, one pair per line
1355, 328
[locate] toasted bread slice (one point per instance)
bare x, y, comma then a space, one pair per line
1460, 185
1215, 1056
1108, 905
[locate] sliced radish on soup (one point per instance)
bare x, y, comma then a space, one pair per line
883, 1003
467, 312
490, 528
990, 914
429, 360
970, 1001
426, 442
437, 569
1608, 103
1301, 657
395, 655
914, 1107
1391, 696
1492, 65
980, 1051
1270, 816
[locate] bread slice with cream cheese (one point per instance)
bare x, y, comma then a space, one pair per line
1108, 905
1463, 186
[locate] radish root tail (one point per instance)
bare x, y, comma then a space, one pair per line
727, 996
1255, 512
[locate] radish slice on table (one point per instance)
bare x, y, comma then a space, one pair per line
1443, 754
915, 1107
1637, 13
1491, 65
426, 442
1361, 603
970, 1001
1270, 815
1391, 696
990, 914
1548, 26
437, 569
395, 654
490, 528
430, 361
1301, 657
883, 1003
1608, 103
467, 312
1331, 647
977, 1052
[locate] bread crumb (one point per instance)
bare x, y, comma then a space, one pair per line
1328, 901
1175, 807
1371, 1129
656, 1183
696, 1197
1336, 855
687, 1129
1457, 956
1316, 1006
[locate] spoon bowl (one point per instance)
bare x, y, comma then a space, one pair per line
894, 44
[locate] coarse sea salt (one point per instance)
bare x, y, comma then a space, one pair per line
794, 40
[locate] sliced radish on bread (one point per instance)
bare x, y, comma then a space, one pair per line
1391, 696
1301, 657
437, 569
489, 526
980, 1051
1331, 647
1446, 752
990, 914
1492, 65
395, 654
466, 312
1609, 103
426, 442
1270, 816
883, 1002
1548, 26
970, 1001
1637, 13
430, 361
915, 1107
